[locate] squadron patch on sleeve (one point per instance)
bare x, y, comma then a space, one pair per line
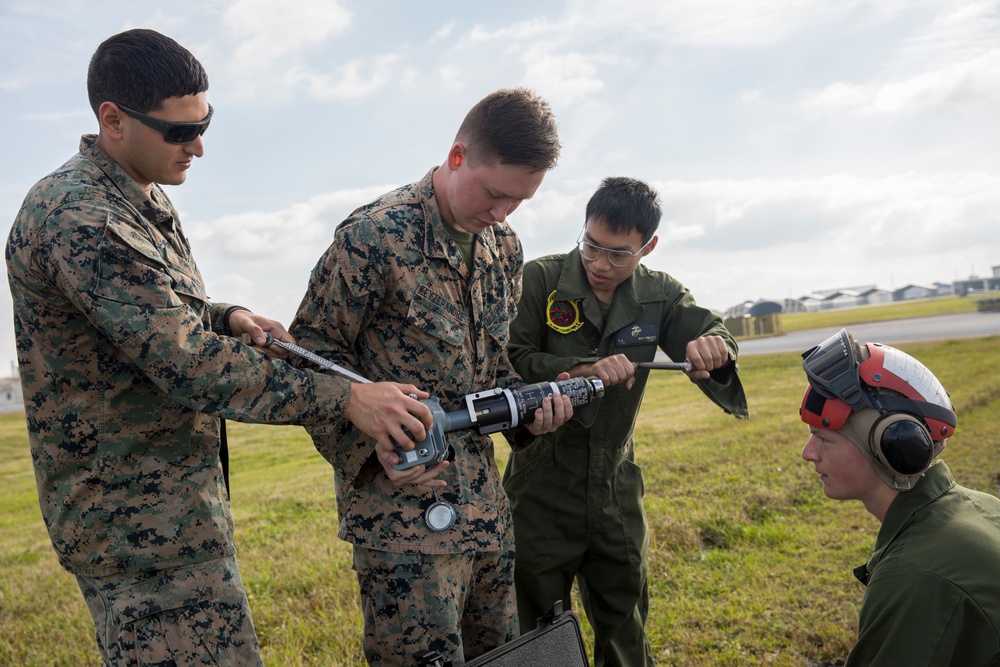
563, 316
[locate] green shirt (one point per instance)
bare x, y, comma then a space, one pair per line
576, 493
554, 331
933, 582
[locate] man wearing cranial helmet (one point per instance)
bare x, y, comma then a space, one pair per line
878, 418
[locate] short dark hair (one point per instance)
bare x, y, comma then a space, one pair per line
140, 68
624, 205
514, 126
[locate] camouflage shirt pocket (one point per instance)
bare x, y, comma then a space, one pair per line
436, 316
187, 283
496, 321
131, 270
134, 280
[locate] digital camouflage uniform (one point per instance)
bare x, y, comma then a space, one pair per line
933, 593
393, 300
577, 493
125, 377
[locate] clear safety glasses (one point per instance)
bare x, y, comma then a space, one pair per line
619, 258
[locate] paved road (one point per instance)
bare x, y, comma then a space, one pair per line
893, 332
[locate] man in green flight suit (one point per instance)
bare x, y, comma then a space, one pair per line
577, 493
878, 419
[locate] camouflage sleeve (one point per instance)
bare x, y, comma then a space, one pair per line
513, 256
217, 313
343, 294
344, 291
152, 310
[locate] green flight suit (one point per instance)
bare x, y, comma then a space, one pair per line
577, 494
933, 593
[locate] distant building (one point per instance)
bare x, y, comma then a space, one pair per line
847, 298
739, 310
11, 399
793, 306
813, 302
914, 292
976, 284
867, 295
874, 295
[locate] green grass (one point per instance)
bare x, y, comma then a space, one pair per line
750, 563
845, 317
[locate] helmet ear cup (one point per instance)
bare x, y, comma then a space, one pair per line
902, 442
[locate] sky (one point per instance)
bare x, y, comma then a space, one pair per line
797, 145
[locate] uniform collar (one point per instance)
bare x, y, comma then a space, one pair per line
573, 283
573, 279
573, 286
438, 242
153, 205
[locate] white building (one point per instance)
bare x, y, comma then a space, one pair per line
11, 399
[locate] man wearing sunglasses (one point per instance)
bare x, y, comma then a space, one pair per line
577, 493
127, 367
878, 418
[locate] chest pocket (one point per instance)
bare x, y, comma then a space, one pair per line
131, 270
187, 283
637, 341
635, 335
136, 277
436, 316
496, 321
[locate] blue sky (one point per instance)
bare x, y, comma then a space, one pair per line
797, 145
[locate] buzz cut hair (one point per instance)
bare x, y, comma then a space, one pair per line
512, 126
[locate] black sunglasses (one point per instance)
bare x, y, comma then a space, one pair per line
173, 133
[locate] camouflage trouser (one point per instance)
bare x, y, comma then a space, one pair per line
189, 615
459, 605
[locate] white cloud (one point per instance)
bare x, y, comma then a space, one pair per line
953, 60
282, 235
565, 78
275, 45
270, 30
262, 260
516, 34
972, 84
956, 35
776, 238
355, 78
444, 32
720, 23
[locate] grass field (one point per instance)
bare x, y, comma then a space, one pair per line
845, 317
750, 563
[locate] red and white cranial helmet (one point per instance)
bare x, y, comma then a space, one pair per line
913, 414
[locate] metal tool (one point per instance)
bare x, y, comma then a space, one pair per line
306, 354
488, 411
665, 365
